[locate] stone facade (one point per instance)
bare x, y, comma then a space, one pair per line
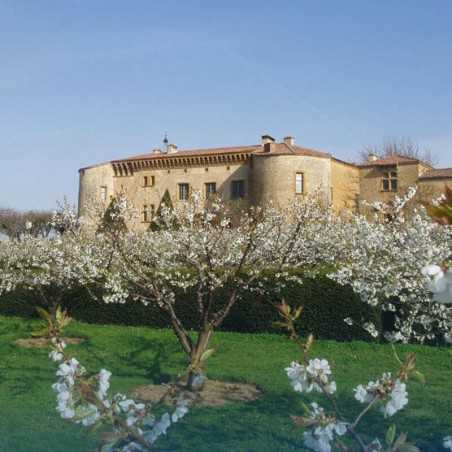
253, 175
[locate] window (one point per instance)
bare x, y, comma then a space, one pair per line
148, 181
389, 181
148, 213
211, 189
299, 183
183, 191
237, 189
103, 193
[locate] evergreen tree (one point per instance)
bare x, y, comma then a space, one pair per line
165, 202
112, 220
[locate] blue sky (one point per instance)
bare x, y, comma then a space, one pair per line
87, 81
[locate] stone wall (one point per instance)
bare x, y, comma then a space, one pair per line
91, 181
433, 188
169, 180
371, 181
273, 177
344, 185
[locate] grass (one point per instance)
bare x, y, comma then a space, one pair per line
29, 422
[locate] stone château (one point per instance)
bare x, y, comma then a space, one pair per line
254, 175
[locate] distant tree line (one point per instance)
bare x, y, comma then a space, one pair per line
403, 146
14, 223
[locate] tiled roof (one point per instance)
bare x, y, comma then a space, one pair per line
286, 149
192, 152
437, 173
390, 160
277, 149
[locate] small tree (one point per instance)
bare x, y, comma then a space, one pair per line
207, 253
326, 430
112, 221
404, 147
165, 203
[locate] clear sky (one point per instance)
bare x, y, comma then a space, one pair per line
86, 81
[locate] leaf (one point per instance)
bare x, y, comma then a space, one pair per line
297, 313
305, 407
44, 332
399, 442
207, 354
419, 376
309, 342
44, 314
390, 434
300, 421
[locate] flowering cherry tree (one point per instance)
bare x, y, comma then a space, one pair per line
207, 248
50, 266
383, 257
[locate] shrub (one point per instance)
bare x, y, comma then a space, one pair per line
325, 303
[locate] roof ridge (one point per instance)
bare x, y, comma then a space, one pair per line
291, 148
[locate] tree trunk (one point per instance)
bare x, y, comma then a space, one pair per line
197, 353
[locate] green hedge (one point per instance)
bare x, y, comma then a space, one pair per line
325, 304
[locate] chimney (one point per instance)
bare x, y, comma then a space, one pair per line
289, 140
372, 157
267, 139
171, 148
269, 147
268, 143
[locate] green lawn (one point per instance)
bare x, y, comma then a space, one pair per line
29, 422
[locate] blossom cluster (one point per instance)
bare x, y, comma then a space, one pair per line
313, 377
439, 282
391, 391
84, 399
324, 429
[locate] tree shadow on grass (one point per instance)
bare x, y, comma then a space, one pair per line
261, 425
162, 353
144, 357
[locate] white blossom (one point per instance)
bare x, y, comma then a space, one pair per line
395, 254
320, 437
74, 382
312, 377
391, 391
397, 399
447, 442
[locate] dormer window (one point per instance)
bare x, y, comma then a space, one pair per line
389, 181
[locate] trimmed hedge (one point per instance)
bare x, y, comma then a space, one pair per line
325, 303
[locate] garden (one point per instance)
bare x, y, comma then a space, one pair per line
337, 328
